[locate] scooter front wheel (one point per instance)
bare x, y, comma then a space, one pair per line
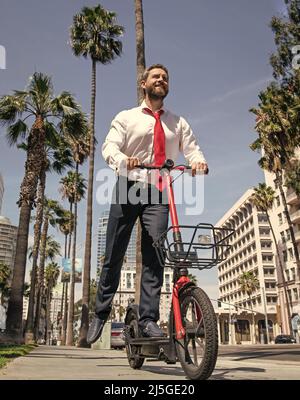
198, 350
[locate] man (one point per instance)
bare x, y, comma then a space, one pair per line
147, 134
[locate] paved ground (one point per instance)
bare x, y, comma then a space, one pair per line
71, 363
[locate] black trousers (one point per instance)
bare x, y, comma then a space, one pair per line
153, 213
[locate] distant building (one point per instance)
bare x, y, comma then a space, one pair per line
130, 256
126, 290
1, 191
283, 237
252, 249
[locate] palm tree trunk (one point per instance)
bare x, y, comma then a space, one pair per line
89, 221
288, 306
140, 47
48, 312
41, 287
66, 245
33, 166
70, 234
35, 253
65, 318
253, 320
66, 299
63, 295
140, 67
70, 335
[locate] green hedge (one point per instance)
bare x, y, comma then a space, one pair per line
8, 352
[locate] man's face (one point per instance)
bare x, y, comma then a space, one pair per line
157, 84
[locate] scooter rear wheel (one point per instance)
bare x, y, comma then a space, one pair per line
135, 361
198, 351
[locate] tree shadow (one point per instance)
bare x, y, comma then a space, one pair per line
221, 375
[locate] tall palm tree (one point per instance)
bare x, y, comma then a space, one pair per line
58, 158
51, 277
74, 188
140, 68
52, 212
38, 103
263, 199
94, 35
65, 224
249, 284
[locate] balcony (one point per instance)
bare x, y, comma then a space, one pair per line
291, 197
295, 217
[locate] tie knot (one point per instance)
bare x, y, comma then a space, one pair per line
155, 114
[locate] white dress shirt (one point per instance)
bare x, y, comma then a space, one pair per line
131, 135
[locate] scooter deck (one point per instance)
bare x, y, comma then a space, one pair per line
148, 341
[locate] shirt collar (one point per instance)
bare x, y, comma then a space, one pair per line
144, 105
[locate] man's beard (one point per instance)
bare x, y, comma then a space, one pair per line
155, 96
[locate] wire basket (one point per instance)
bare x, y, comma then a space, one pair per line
202, 246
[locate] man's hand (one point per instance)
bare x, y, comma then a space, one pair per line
132, 162
199, 166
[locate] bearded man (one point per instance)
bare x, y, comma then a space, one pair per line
148, 134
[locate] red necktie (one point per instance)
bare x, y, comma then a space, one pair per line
159, 145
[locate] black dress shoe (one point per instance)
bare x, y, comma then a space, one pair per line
95, 330
151, 329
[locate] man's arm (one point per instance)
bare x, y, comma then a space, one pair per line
191, 150
114, 142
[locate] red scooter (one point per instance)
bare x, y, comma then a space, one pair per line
192, 330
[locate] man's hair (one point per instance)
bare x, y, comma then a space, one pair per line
154, 66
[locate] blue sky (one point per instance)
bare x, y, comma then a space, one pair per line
217, 53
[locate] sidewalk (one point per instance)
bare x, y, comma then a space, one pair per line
71, 363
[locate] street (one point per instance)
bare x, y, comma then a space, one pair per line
280, 362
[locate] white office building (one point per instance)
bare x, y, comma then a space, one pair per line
242, 319
283, 237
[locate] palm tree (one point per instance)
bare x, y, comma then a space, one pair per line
51, 277
74, 188
52, 212
58, 158
94, 35
5, 273
65, 224
249, 283
277, 125
263, 199
193, 279
140, 67
39, 103
292, 178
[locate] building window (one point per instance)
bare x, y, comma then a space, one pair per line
280, 219
278, 201
128, 281
291, 254
295, 292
